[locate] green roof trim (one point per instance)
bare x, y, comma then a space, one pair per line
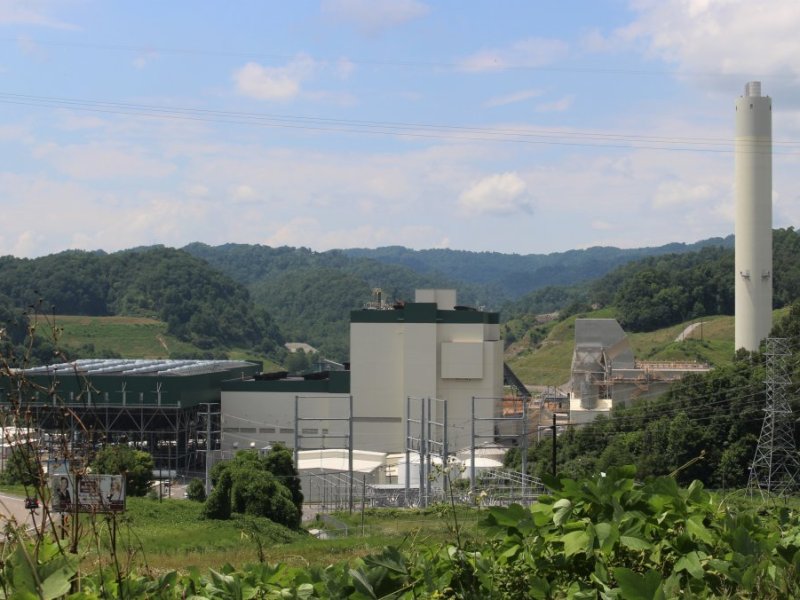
424, 312
338, 383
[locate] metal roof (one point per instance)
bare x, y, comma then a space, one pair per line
120, 367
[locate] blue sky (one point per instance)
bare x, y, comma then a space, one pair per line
516, 126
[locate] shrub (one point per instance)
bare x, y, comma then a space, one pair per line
196, 490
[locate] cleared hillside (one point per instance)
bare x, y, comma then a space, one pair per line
710, 341
128, 337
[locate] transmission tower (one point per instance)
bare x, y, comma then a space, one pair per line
776, 466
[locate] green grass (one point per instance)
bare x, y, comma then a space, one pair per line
172, 534
130, 337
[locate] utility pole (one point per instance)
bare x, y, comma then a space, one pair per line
554, 444
208, 446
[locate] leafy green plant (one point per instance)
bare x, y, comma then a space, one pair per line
196, 490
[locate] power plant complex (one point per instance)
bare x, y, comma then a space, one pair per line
426, 379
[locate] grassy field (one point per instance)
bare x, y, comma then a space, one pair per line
131, 337
172, 534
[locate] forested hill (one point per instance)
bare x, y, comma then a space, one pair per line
660, 291
255, 297
513, 275
259, 266
200, 304
310, 294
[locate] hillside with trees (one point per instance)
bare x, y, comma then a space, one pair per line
513, 275
199, 304
660, 291
256, 297
706, 427
311, 293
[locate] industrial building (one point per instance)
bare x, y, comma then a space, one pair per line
425, 369
155, 405
606, 374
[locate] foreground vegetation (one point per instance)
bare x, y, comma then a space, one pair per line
607, 537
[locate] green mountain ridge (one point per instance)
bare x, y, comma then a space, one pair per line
254, 297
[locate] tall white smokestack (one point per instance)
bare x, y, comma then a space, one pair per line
753, 228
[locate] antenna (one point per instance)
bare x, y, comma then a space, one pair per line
775, 464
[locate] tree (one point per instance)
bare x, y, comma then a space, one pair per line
260, 493
136, 465
255, 489
22, 466
196, 490
297, 361
279, 462
218, 504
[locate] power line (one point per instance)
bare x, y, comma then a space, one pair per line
396, 129
462, 67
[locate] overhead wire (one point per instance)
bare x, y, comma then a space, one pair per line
559, 137
461, 66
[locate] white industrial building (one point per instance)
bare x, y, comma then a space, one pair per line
399, 355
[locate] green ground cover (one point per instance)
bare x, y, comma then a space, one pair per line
171, 534
130, 337
608, 536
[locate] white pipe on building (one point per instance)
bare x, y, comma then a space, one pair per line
753, 227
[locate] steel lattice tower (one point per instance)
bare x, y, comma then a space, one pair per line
775, 464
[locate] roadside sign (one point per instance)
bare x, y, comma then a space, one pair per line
91, 493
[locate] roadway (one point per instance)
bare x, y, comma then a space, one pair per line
13, 507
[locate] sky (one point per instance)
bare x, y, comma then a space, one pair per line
506, 126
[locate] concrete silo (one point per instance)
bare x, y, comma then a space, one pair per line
753, 228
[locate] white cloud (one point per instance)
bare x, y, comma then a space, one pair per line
531, 52
198, 190
242, 193
672, 193
99, 161
310, 232
520, 96
560, 105
710, 39
345, 68
274, 83
145, 58
601, 224
374, 16
72, 121
503, 194
29, 47
27, 12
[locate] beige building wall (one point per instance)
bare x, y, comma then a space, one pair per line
394, 355
264, 418
448, 361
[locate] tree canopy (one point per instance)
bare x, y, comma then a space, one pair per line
706, 427
200, 304
259, 485
136, 465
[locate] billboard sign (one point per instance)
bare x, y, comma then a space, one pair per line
87, 493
